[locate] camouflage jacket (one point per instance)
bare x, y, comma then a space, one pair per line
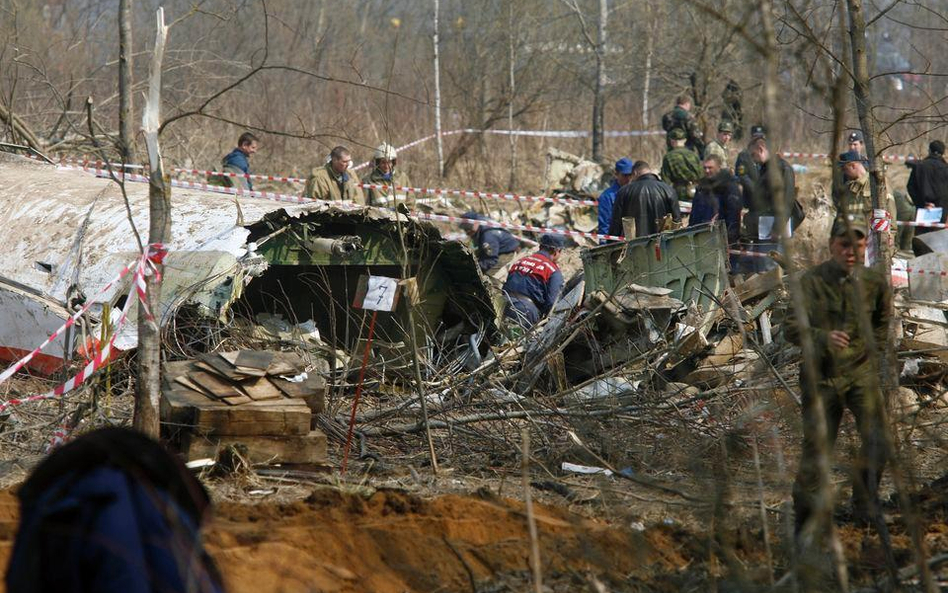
680, 118
681, 168
855, 197
397, 179
830, 298
325, 184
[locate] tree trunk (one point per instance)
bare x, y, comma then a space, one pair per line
126, 138
877, 184
599, 100
148, 387
437, 84
511, 59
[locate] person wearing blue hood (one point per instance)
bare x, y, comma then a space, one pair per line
238, 161
494, 247
534, 283
623, 175
332, 181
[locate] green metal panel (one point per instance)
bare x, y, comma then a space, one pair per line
692, 262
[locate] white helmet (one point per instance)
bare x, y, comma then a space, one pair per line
385, 151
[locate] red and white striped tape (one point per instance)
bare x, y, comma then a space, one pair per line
69, 323
747, 253
102, 357
917, 271
820, 155
933, 225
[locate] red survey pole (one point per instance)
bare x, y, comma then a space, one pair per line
355, 401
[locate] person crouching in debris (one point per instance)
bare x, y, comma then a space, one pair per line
238, 161
494, 247
842, 299
386, 175
534, 282
332, 181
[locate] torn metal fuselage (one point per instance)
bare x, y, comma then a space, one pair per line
67, 233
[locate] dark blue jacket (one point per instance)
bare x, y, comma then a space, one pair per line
237, 159
605, 202
491, 244
718, 196
536, 277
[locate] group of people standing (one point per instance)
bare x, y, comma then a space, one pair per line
641, 201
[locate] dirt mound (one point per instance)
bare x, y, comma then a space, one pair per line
392, 542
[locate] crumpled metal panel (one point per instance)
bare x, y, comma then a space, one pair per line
691, 262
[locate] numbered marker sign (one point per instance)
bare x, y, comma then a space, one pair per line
381, 293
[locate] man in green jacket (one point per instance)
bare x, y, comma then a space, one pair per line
681, 167
389, 177
332, 181
848, 307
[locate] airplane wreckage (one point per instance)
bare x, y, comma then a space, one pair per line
294, 268
291, 272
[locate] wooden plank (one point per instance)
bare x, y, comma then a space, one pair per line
312, 390
261, 389
231, 359
182, 407
254, 359
186, 381
305, 448
214, 384
758, 285
223, 368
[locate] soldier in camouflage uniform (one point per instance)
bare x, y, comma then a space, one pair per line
718, 146
681, 167
841, 297
680, 117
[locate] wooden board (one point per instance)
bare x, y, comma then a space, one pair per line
223, 368
254, 359
261, 389
312, 390
183, 407
214, 384
231, 359
306, 448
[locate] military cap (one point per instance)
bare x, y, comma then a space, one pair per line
726, 126
553, 241
851, 156
758, 131
624, 166
677, 134
856, 136
936, 147
846, 222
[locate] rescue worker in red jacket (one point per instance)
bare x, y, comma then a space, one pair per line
534, 282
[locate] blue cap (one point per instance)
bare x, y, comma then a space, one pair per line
553, 241
624, 166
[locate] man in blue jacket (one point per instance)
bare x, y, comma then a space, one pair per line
238, 161
494, 247
534, 282
623, 175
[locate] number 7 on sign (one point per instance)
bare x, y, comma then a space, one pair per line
380, 293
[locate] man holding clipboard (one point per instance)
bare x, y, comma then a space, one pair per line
928, 186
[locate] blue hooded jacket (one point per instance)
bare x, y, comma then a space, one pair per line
238, 160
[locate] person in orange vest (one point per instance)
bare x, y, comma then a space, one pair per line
534, 282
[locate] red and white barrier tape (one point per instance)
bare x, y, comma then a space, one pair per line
69, 323
933, 225
917, 271
747, 253
152, 257
819, 155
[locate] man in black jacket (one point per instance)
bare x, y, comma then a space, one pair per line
718, 197
928, 181
762, 222
646, 200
